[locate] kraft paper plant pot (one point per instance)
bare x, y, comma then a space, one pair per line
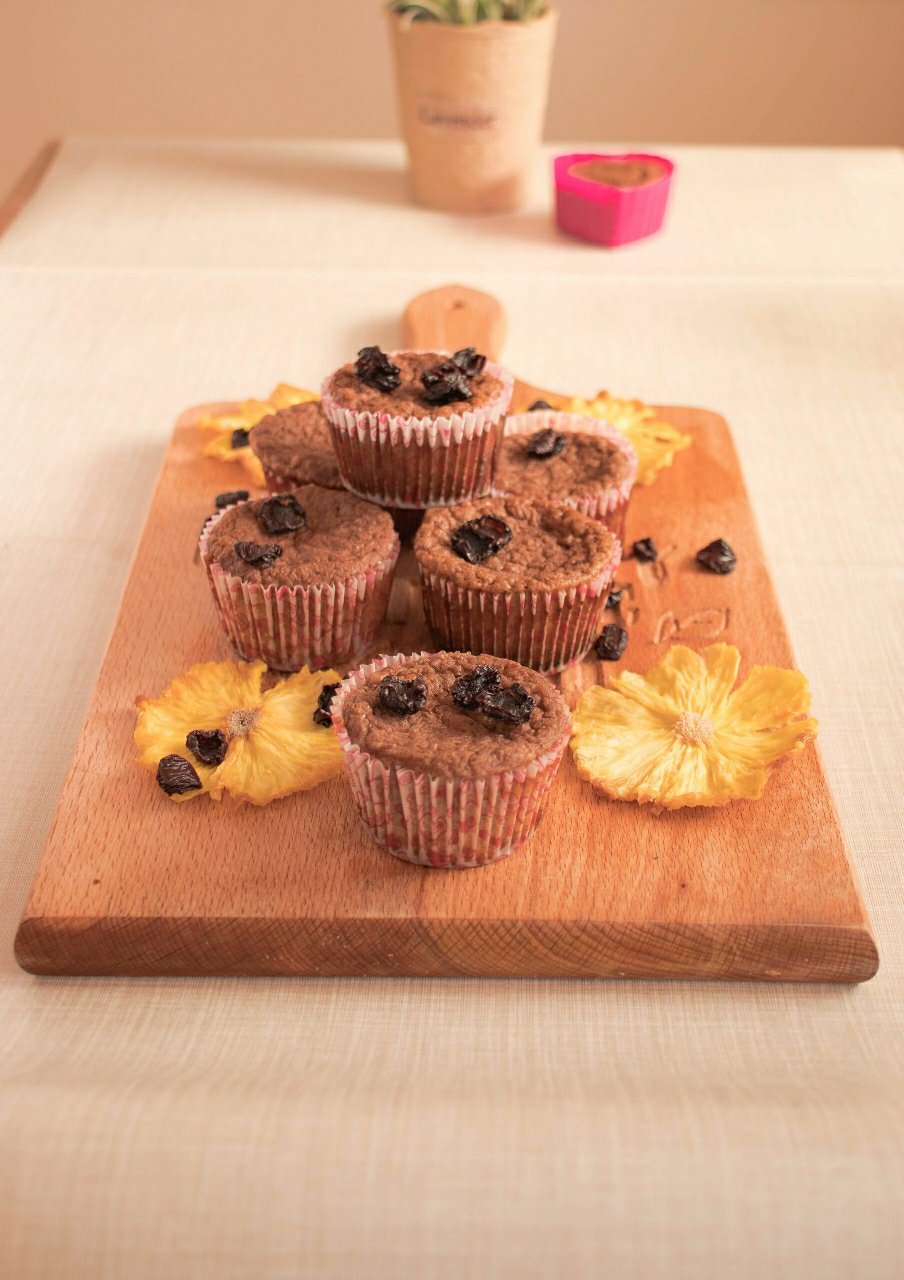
472, 101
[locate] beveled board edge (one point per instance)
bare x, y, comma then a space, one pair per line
451, 948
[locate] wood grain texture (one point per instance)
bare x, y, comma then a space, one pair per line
130, 883
454, 316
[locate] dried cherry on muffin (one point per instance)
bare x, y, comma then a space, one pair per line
444, 383
262, 554
281, 514
514, 705
230, 498
374, 368
470, 361
402, 697
468, 690
477, 540
545, 444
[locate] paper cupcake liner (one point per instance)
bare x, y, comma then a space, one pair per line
413, 462
610, 506
442, 822
546, 630
303, 626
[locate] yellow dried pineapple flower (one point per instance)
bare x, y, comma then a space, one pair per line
258, 746
220, 427
682, 735
655, 442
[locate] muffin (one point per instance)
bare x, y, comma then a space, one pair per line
580, 461
295, 447
303, 578
450, 755
416, 429
521, 578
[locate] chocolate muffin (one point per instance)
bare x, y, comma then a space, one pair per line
410, 398
295, 446
414, 429
521, 578
302, 578
633, 172
450, 755
580, 461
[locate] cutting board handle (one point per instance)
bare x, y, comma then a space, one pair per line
453, 317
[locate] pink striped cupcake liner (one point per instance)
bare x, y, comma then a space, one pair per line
443, 822
547, 630
609, 507
410, 462
302, 626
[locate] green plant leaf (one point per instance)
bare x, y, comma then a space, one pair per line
467, 12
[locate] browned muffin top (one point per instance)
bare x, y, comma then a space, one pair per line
408, 399
295, 443
342, 536
587, 464
552, 547
618, 173
445, 739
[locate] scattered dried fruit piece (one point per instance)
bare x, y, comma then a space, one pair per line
470, 361
218, 428
321, 714
683, 735
612, 642
208, 745
614, 598
282, 514
224, 500
239, 438
402, 697
444, 383
260, 554
477, 540
375, 369
513, 705
467, 690
537, 405
655, 442
545, 444
645, 549
273, 747
177, 776
717, 557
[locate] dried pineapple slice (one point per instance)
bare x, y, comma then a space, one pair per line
655, 442
683, 736
275, 748
220, 426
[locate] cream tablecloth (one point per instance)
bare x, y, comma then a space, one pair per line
295, 1128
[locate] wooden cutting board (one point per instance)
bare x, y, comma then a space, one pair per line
130, 883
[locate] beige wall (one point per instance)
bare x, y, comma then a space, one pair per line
770, 71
